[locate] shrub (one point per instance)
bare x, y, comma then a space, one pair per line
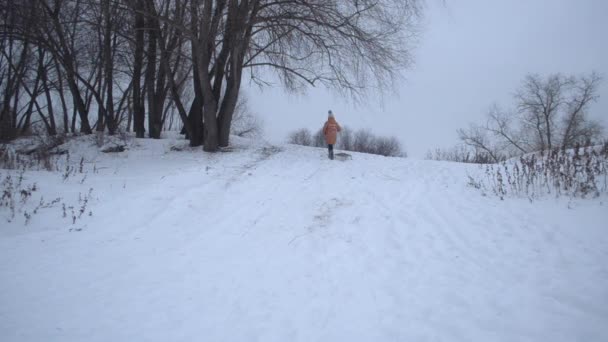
579, 172
17, 200
360, 141
461, 154
38, 153
300, 137
387, 146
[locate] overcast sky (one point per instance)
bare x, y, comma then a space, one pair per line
472, 53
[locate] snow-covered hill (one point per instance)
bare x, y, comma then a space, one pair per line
280, 244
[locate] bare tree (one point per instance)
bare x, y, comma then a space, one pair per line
138, 9
539, 102
554, 109
59, 22
551, 113
351, 45
500, 125
133, 59
477, 138
15, 63
576, 127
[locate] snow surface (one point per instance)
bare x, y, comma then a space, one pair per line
281, 244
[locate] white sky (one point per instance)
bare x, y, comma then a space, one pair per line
473, 53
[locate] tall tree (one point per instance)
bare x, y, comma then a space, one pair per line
105, 62
351, 45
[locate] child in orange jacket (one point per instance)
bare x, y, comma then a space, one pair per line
330, 130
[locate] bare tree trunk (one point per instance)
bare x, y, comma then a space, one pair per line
100, 86
195, 115
30, 109
85, 127
52, 129
64, 106
227, 111
138, 102
74, 116
65, 54
108, 67
15, 76
129, 113
548, 130
238, 45
202, 46
154, 113
123, 105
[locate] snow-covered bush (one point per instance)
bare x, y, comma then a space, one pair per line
461, 154
33, 153
300, 137
579, 172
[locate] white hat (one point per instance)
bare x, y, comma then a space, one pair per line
330, 114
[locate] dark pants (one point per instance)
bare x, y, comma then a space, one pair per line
330, 149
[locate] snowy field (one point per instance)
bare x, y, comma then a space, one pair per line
270, 243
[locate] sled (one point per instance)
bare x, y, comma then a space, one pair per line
343, 156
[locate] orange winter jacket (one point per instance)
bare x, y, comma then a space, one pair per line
330, 130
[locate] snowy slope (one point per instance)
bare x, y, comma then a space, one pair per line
266, 244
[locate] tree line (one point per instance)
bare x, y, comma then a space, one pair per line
145, 66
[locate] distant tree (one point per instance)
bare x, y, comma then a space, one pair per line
478, 139
576, 127
550, 113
